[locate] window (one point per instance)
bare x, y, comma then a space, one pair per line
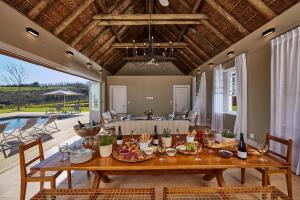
230, 85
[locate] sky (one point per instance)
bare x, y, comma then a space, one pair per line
37, 73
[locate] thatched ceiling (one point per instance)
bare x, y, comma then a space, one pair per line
228, 21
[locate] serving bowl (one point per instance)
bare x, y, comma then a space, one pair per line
89, 130
171, 151
148, 151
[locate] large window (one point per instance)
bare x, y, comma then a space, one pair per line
230, 86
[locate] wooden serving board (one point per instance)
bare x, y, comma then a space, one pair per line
120, 157
221, 145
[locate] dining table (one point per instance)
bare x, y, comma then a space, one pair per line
211, 164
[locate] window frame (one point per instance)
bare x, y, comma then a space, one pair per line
227, 84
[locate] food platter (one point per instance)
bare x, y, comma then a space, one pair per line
130, 153
186, 148
222, 145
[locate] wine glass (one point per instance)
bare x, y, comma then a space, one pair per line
210, 139
132, 135
198, 149
161, 149
63, 148
177, 133
262, 148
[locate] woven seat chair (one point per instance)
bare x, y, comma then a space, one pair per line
36, 176
224, 193
96, 194
284, 159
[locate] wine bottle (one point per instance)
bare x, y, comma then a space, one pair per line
93, 124
119, 137
155, 136
242, 149
80, 124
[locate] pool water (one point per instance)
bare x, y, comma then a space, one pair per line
15, 123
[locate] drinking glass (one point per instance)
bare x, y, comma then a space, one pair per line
161, 149
262, 148
198, 149
63, 148
132, 136
210, 139
177, 133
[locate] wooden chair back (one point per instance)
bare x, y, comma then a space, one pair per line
23, 148
288, 143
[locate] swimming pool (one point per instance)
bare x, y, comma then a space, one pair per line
18, 122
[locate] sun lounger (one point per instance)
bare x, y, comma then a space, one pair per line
49, 125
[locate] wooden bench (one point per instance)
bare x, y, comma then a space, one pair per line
240, 193
93, 194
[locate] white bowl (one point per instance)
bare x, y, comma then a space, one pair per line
149, 151
171, 151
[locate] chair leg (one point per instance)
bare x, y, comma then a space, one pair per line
69, 179
23, 190
289, 182
243, 174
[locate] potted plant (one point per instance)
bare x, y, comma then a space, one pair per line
105, 147
228, 136
166, 137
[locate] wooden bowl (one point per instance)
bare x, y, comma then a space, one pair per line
88, 131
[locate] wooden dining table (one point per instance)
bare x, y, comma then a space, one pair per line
210, 163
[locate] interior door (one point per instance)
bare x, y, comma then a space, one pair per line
118, 98
181, 98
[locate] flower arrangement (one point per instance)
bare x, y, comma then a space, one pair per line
106, 140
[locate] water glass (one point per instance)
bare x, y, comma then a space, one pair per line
63, 148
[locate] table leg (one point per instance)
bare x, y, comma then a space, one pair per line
104, 178
96, 179
220, 178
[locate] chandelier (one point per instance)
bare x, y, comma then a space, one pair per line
151, 52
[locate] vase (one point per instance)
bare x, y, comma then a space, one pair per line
105, 151
167, 141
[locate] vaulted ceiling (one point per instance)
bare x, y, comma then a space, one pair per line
228, 22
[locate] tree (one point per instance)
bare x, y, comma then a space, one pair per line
16, 75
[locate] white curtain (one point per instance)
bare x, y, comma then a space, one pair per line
240, 125
200, 101
285, 92
194, 88
217, 107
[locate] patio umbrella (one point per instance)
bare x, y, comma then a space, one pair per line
63, 93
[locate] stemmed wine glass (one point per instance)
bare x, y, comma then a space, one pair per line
63, 148
210, 139
132, 135
262, 148
161, 149
177, 133
198, 149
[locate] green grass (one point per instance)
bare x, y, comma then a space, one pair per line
40, 88
37, 109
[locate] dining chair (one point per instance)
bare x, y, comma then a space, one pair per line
36, 176
284, 159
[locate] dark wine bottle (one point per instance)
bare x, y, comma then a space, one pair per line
80, 124
155, 136
119, 137
93, 124
242, 148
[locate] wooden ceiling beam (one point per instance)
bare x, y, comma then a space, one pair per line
117, 66
105, 55
196, 47
187, 59
263, 8
113, 58
152, 17
194, 56
142, 45
42, 5
69, 19
217, 32
83, 32
186, 66
228, 17
201, 38
102, 5
95, 40
143, 23
97, 55
193, 10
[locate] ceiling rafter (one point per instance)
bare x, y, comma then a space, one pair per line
103, 48
188, 59
70, 18
193, 10
106, 55
194, 56
42, 5
117, 66
116, 55
83, 32
181, 64
95, 40
196, 47
228, 17
263, 8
